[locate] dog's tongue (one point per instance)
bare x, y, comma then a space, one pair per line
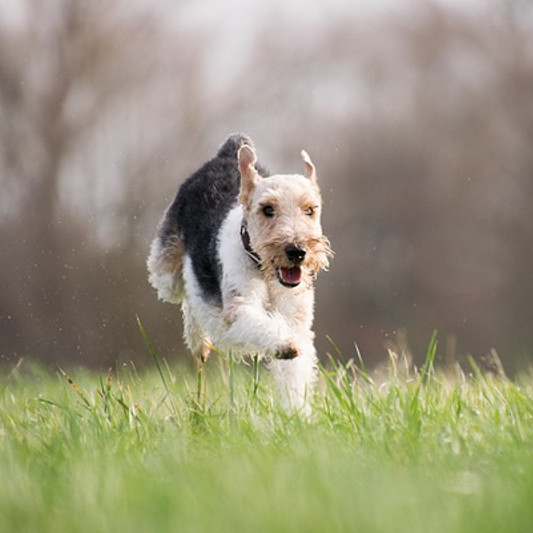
291, 276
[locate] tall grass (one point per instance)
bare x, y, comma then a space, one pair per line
414, 451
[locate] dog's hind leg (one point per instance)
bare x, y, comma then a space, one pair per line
196, 340
165, 265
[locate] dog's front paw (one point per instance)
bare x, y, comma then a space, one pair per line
287, 352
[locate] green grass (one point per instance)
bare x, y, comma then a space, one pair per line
144, 453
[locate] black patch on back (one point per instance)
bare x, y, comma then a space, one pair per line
199, 208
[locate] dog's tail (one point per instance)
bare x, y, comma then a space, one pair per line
231, 145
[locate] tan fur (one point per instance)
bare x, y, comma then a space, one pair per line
172, 260
166, 263
249, 175
206, 350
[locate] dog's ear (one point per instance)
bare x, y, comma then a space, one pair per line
310, 171
249, 176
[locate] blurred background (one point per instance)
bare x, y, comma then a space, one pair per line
417, 114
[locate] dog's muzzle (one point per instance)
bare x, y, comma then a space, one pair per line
292, 276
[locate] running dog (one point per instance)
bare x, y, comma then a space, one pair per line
239, 249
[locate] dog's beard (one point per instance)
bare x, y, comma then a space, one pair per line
277, 266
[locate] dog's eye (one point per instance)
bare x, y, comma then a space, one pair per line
309, 211
268, 211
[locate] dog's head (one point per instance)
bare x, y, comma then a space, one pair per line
282, 214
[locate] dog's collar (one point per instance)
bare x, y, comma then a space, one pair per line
245, 238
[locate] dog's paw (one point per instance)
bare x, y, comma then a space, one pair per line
288, 351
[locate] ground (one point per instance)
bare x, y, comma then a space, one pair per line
132, 452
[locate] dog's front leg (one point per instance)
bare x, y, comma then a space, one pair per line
254, 329
292, 355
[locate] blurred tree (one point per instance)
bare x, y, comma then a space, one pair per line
420, 122
66, 71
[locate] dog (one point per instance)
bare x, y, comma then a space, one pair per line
239, 249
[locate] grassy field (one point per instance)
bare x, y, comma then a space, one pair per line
142, 453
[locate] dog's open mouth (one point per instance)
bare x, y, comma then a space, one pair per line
290, 277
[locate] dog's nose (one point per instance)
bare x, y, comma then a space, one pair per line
295, 254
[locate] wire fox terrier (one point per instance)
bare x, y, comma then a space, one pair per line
239, 249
